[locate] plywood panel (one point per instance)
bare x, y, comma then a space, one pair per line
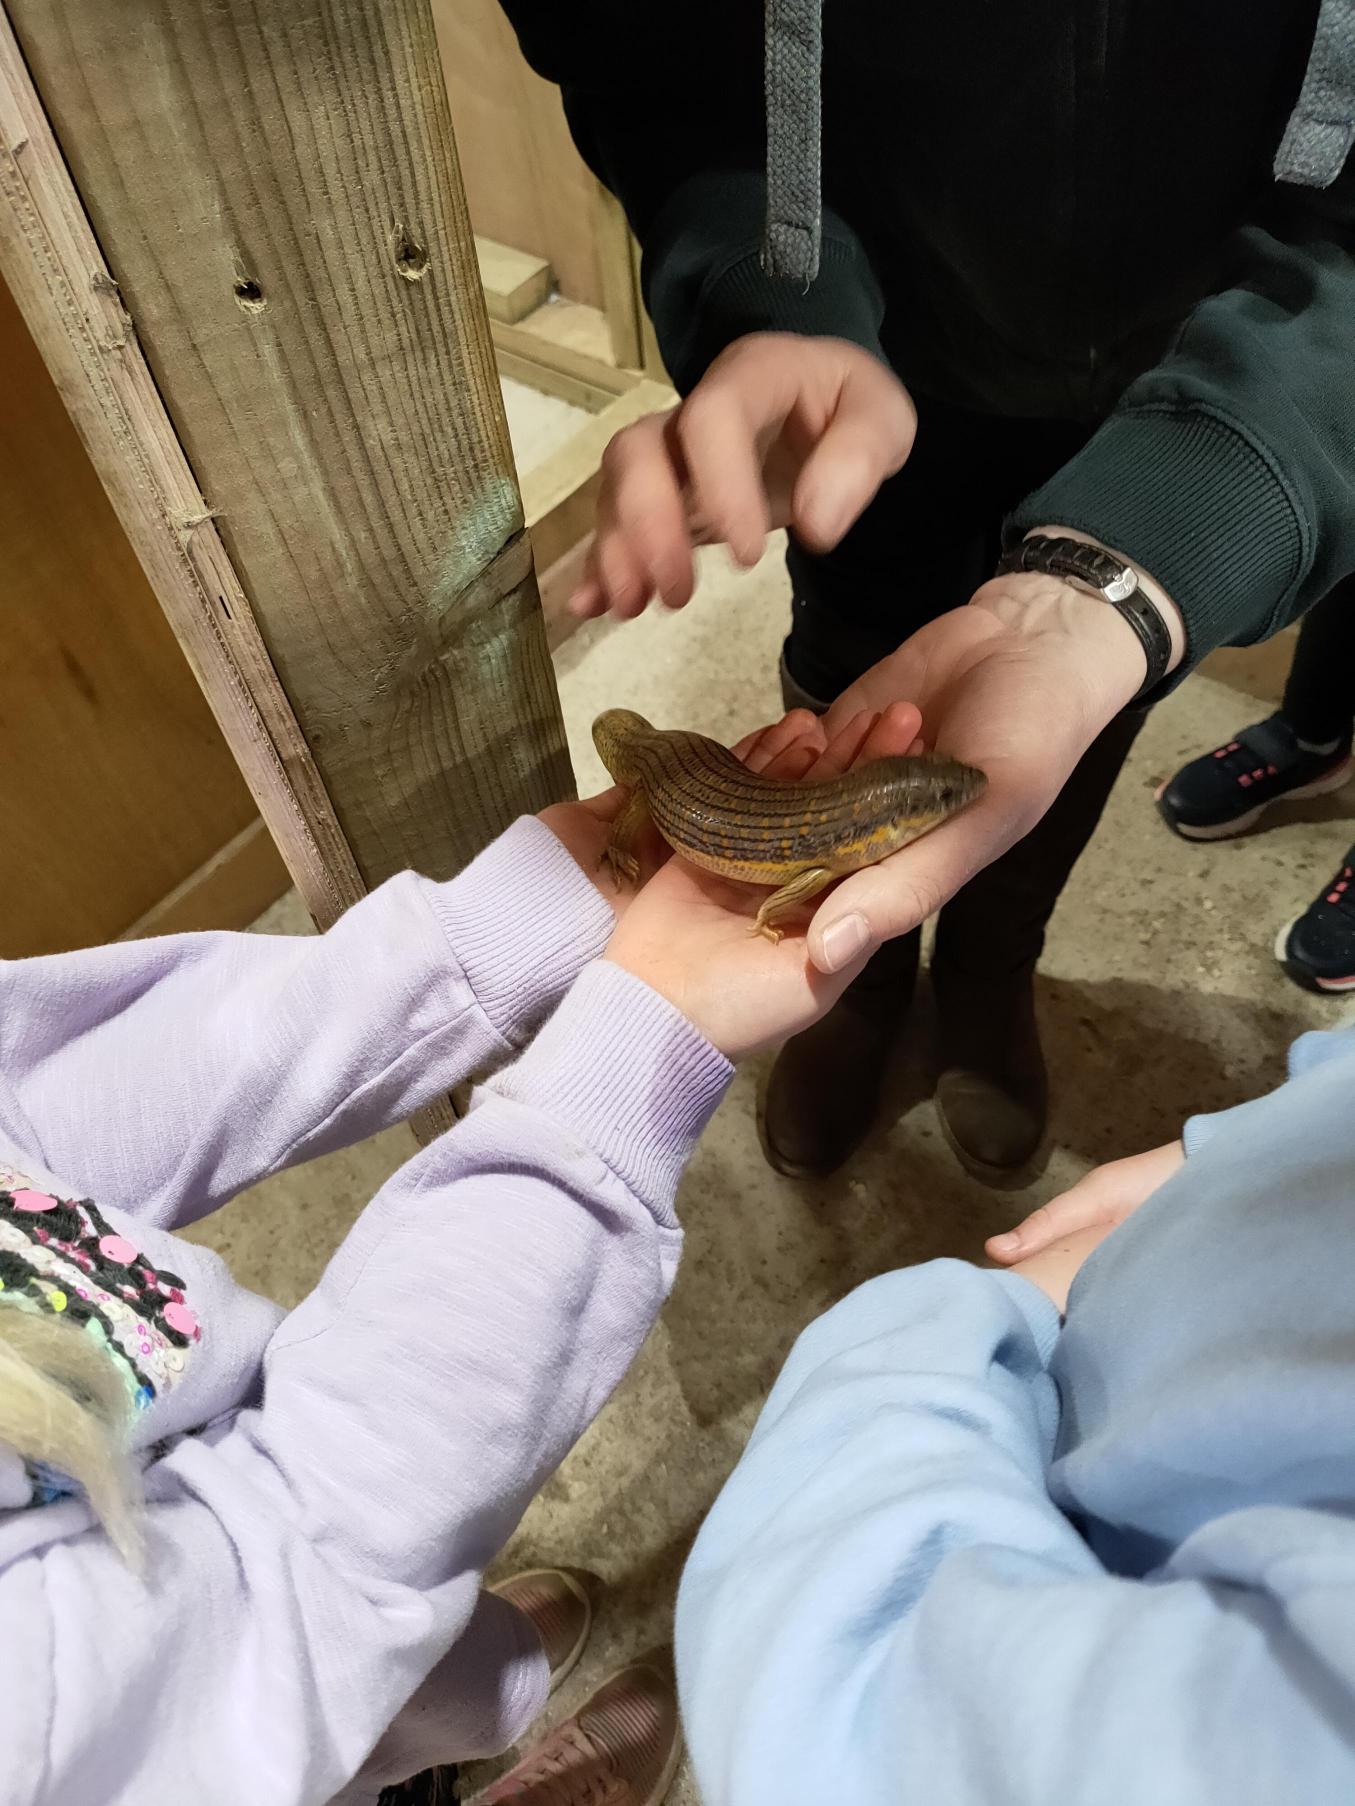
115, 784
526, 184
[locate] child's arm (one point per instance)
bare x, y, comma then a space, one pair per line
311, 1560
886, 1606
164, 1076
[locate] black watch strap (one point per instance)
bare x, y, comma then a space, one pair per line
1105, 576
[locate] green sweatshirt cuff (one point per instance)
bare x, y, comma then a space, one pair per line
742, 298
1195, 502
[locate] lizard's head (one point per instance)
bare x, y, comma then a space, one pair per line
921, 792
952, 786
614, 733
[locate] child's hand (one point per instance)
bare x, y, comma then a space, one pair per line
1101, 1199
687, 933
787, 748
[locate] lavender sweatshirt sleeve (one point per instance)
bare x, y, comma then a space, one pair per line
314, 1556
166, 1075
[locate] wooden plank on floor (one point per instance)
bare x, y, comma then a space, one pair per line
557, 583
533, 351
515, 282
548, 381
576, 325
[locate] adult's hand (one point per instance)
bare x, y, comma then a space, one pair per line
688, 934
1019, 682
781, 431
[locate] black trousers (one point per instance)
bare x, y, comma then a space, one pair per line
1319, 698
925, 544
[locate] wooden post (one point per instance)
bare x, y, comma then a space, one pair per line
325, 502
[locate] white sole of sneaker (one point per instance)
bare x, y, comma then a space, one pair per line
1323, 786
1309, 980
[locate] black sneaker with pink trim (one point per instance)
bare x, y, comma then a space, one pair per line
1317, 949
1227, 791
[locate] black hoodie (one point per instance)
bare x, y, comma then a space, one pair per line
1034, 208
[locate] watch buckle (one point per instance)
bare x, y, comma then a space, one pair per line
1121, 587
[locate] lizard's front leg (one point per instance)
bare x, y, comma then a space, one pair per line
619, 853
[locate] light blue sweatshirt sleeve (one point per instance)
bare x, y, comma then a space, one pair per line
1305, 1055
885, 1606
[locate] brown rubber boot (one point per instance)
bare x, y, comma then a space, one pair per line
824, 1092
992, 1094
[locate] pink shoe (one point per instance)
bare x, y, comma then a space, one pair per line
559, 1603
621, 1748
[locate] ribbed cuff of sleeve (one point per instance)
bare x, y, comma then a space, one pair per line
523, 921
1192, 500
1038, 1309
741, 298
1199, 1131
627, 1074
706, 287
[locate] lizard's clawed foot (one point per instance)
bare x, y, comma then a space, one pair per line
767, 930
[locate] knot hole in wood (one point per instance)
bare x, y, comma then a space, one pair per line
249, 296
411, 258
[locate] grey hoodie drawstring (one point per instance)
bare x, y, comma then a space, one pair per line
794, 57
1321, 131
1316, 143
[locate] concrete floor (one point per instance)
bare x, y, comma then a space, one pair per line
1158, 996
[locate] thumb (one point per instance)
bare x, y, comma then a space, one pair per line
868, 437
897, 895
1088, 1204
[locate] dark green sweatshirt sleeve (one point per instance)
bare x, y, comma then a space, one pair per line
683, 153
1228, 470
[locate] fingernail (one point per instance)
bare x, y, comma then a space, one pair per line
1006, 1244
843, 940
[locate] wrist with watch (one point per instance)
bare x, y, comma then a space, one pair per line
1098, 572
